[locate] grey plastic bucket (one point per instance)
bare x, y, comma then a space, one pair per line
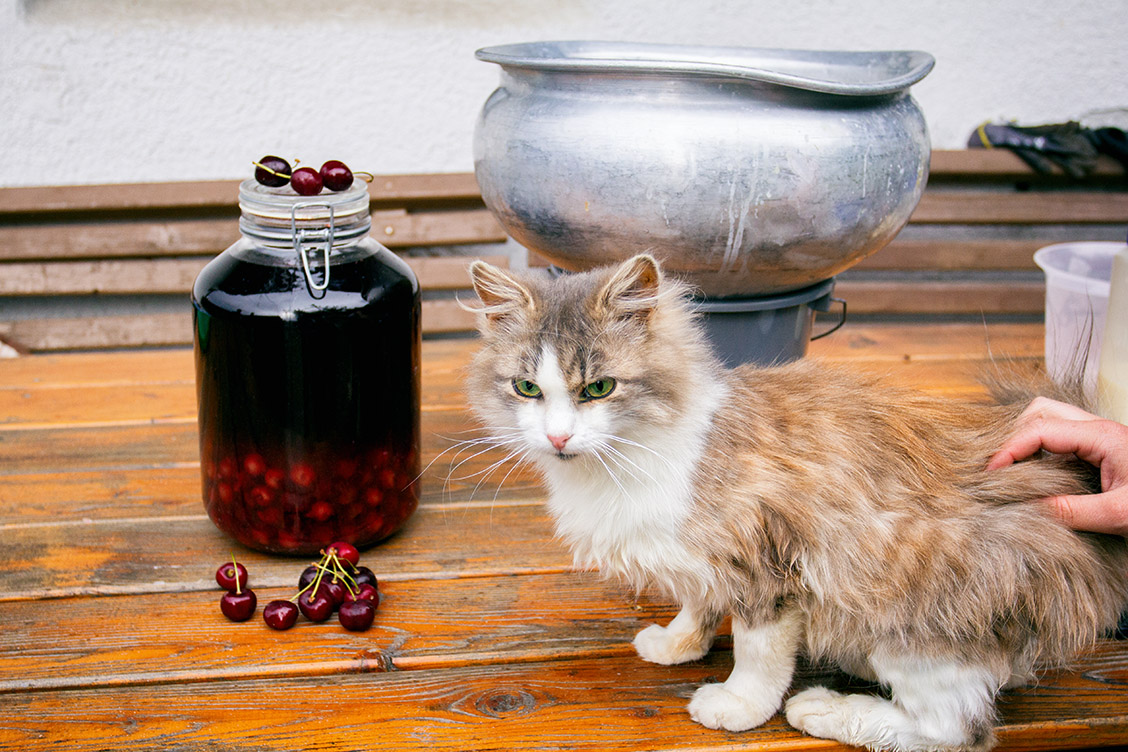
767, 330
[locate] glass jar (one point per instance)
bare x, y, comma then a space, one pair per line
307, 349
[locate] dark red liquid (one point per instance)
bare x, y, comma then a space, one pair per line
308, 402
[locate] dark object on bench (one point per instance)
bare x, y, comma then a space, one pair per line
1069, 146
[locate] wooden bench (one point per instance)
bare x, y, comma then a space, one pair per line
85, 267
968, 250
110, 266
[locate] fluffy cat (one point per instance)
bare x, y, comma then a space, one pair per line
828, 512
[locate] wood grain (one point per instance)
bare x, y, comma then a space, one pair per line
181, 553
384, 189
963, 164
610, 703
486, 637
108, 238
869, 296
997, 207
170, 329
953, 255
424, 624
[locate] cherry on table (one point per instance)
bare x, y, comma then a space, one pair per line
280, 614
316, 606
306, 181
364, 575
345, 552
334, 590
231, 576
309, 574
238, 606
364, 592
356, 616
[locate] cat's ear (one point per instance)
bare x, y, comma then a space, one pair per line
501, 294
633, 289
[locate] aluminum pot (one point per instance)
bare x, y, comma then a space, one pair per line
747, 171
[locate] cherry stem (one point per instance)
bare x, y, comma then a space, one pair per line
272, 172
367, 177
345, 577
337, 570
235, 571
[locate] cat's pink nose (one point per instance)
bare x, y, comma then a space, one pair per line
559, 441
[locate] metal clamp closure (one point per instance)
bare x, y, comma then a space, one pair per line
303, 236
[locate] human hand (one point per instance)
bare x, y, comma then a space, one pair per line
1065, 429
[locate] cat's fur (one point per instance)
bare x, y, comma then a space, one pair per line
829, 512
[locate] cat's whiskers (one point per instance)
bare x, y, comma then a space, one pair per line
625, 463
522, 458
610, 473
521, 455
495, 439
500, 438
645, 448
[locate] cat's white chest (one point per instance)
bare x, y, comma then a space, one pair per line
627, 525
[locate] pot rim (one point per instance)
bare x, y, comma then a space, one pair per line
847, 73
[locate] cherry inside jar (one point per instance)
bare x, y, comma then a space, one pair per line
308, 398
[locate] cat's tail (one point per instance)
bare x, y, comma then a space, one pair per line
1039, 478
1012, 383
1012, 386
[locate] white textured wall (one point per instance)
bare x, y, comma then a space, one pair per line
98, 91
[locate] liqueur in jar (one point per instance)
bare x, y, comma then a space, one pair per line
307, 339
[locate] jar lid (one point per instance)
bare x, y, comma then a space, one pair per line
309, 224
275, 214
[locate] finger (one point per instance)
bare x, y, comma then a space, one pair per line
1030, 438
1043, 407
1082, 438
1096, 513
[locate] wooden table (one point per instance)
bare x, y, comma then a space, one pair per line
111, 636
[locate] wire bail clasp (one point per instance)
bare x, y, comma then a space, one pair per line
303, 236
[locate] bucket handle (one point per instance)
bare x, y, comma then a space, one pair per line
824, 305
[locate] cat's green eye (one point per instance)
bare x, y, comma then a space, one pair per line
598, 388
526, 388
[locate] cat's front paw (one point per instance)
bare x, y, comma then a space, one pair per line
663, 646
850, 719
813, 711
715, 707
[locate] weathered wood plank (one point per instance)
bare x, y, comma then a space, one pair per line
176, 275
953, 255
447, 316
1028, 207
447, 358
607, 704
181, 553
941, 297
384, 189
968, 164
108, 238
878, 342
169, 329
124, 330
134, 276
615, 702
421, 624
131, 404
37, 498
69, 389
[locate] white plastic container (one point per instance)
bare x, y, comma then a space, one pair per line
1077, 285
1112, 376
